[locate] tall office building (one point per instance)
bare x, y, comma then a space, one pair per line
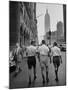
47, 21
60, 33
47, 26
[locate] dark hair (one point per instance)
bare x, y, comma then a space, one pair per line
55, 44
43, 41
32, 42
60, 45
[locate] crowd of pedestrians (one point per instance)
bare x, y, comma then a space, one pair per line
44, 53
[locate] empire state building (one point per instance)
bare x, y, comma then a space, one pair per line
47, 21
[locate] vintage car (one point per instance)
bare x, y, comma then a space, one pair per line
62, 47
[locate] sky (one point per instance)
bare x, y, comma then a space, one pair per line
56, 14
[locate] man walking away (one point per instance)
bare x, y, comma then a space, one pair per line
44, 50
56, 53
31, 62
17, 59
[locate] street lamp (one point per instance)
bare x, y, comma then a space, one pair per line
49, 36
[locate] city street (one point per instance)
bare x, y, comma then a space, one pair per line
33, 23
21, 80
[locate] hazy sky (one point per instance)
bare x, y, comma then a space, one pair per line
56, 14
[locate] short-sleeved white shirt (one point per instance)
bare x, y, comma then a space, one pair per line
31, 50
56, 51
43, 49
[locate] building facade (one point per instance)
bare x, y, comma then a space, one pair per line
14, 23
23, 23
28, 23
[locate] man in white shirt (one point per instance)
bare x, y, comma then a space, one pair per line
31, 62
56, 53
44, 51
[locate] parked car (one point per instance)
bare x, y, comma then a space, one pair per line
62, 47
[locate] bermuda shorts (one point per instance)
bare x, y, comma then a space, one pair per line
31, 62
56, 61
44, 61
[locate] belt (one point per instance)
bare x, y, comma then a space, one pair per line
43, 55
30, 56
55, 56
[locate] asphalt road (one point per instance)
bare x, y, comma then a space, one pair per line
21, 80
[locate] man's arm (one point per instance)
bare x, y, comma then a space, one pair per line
49, 51
51, 55
60, 56
39, 56
38, 53
61, 59
26, 50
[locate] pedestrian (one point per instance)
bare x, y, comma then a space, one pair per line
17, 54
49, 52
44, 51
31, 60
12, 66
57, 59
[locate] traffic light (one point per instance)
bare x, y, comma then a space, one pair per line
49, 33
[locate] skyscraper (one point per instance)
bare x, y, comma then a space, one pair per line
23, 23
60, 28
47, 21
60, 33
47, 26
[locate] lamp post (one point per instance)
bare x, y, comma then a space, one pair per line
49, 37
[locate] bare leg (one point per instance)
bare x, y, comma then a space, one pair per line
47, 79
34, 68
56, 73
29, 73
42, 72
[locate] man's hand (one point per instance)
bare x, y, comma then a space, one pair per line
50, 60
61, 59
